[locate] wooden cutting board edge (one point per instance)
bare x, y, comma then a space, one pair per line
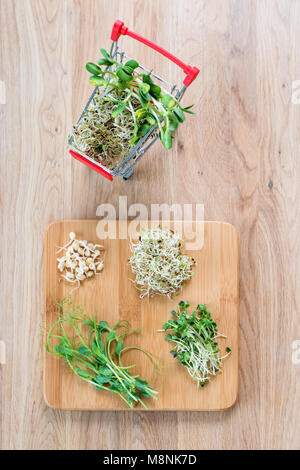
227, 407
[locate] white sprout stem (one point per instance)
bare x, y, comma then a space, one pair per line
159, 264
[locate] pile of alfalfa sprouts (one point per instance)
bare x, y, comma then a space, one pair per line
159, 264
101, 136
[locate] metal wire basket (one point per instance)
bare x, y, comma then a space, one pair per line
125, 168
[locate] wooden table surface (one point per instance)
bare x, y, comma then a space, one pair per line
238, 156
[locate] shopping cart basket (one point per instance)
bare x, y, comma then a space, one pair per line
125, 168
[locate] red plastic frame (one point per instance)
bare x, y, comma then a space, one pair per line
91, 165
119, 29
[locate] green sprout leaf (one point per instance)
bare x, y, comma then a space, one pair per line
141, 113
119, 109
119, 347
106, 62
144, 97
145, 87
187, 109
82, 373
147, 79
155, 91
144, 129
168, 101
150, 119
97, 81
166, 139
179, 114
123, 75
173, 121
132, 63
101, 380
93, 68
103, 325
105, 53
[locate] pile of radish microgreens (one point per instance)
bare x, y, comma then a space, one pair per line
131, 93
93, 351
195, 342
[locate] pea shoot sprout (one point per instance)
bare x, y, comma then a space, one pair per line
194, 337
94, 352
159, 264
82, 260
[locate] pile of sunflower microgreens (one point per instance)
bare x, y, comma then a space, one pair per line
93, 351
195, 342
132, 93
159, 264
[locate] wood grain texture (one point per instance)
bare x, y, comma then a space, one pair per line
239, 156
114, 298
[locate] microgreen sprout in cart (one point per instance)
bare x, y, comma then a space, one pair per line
94, 352
100, 135
130, 108
154, 106
194, 337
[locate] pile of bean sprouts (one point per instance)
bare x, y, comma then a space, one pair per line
102, 137
81, 260
159, 264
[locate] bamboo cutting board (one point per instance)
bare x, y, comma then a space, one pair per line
113, 296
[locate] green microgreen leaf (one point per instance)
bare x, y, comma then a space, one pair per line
118, 110
111, 335
195, 333
84, 351
179, 114
145, 87
132, 63
103, 325
168, 101
104, 53
123, 75
97, 81
166, 139
93, 68
144, 129
155, 91
82, 373
150, 119
106, 62
119, 347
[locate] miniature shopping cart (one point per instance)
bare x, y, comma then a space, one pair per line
125, 168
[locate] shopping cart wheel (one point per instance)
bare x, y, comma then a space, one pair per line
128, 174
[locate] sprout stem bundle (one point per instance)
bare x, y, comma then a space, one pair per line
159, 264
194, 337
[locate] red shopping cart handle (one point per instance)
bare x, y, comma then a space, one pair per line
91, 165
119, 28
